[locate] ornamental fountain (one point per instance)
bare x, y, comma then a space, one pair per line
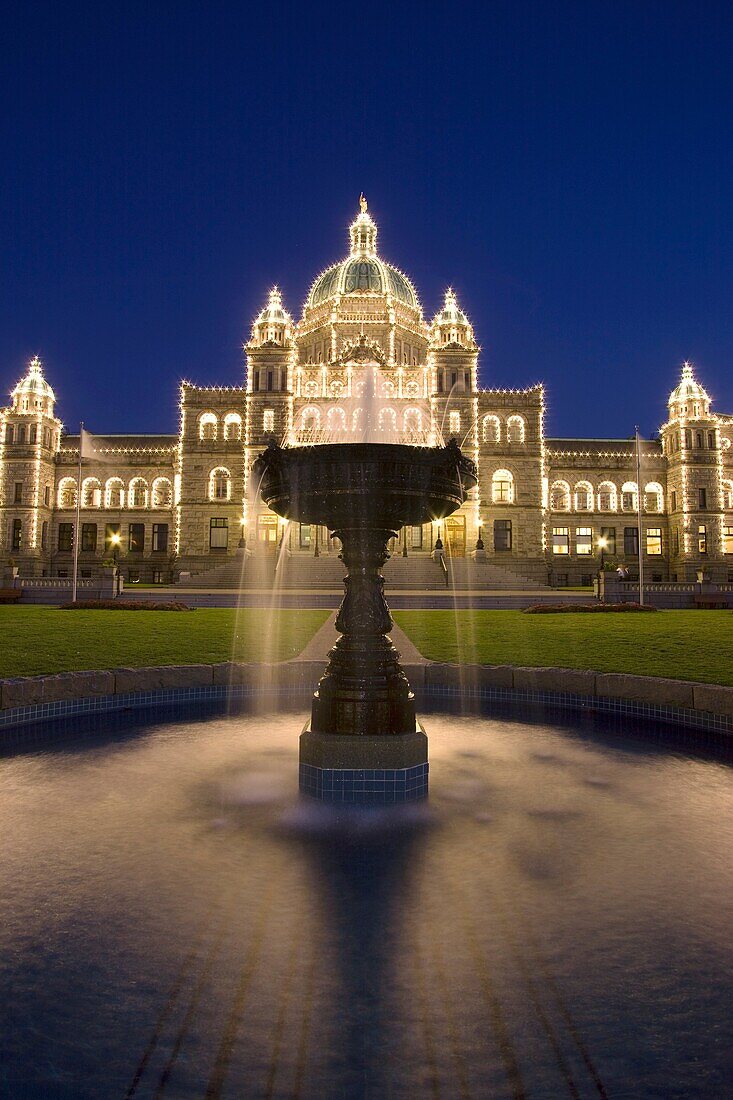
363, 742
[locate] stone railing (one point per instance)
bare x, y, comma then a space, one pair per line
663, 594
108, 586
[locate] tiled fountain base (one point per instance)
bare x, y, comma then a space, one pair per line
373, 786
380, 770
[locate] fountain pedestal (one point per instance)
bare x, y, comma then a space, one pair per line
363, 742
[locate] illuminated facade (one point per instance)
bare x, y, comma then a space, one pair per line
363, 364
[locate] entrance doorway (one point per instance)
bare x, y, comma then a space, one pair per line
267, 533
455, 536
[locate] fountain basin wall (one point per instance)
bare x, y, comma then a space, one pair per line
707, 708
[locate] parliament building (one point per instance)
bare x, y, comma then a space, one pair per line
364, 363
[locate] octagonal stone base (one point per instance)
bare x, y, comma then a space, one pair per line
369, 770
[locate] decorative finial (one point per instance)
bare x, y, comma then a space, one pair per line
687, 369
362, 203
35, 365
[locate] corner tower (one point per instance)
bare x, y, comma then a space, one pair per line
692, 446
29, 442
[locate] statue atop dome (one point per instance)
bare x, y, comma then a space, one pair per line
363, 203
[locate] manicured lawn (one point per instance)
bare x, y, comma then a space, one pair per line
683, 645
36, 640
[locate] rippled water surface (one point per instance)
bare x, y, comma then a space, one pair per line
175, 922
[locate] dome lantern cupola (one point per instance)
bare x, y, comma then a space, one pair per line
33, 393
274, 324
450, 325
363, 232
688, 400
363, 271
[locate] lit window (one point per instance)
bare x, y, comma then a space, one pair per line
207, 426
268, 420
608, 537
560, 496
654, 541
502, 487
220, 484
490, 429
560, 540
17, 535
702, 539
583, 497
584, 540
728, 496
515, 429
728, 540
455, 421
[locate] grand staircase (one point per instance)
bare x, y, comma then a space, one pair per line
416, 572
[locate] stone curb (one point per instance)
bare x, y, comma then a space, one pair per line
424, 677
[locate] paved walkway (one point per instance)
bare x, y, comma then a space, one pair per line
327, 636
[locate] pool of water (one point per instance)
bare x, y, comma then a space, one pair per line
176, 921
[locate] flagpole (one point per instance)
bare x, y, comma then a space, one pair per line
639, 507
78, 516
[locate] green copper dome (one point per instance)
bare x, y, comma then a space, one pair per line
362, 275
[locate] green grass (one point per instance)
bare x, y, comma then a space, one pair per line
37, 640
683, 645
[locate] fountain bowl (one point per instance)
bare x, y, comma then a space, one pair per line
364, 485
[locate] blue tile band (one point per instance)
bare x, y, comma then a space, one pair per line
373, 786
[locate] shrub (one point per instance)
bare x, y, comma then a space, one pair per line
583, 608
125, 605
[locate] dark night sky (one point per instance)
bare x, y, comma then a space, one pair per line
566, 166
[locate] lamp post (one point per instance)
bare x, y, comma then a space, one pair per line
115, 539
479, 533
602, 544
242, 540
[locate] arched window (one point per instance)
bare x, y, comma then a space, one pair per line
336, 421
137, 496
629, 496
502, 487
387, 421
357, 421
491, 429
91, 493
232, 427
67, 492
208, 425
607, 497
412, 424
220, 484
114, 493
162, 493
653, 497
560, 496
310, 424
388, 389
728, 496
515, 429
583, 494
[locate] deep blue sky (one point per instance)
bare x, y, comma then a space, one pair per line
566, 166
